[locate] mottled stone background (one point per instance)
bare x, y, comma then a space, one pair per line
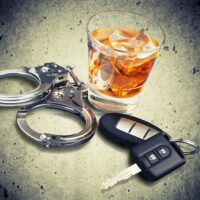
34, 32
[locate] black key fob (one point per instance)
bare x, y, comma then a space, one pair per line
157, 157
127, 130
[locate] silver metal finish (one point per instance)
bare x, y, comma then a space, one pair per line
122, 176
54, 91
192, 145
43, 76
67, 96
136, 129
125, 124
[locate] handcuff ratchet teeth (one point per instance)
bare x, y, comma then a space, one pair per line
55, 91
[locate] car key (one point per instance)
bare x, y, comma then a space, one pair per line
154, 158
127, 130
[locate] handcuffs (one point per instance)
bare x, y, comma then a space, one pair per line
55, 91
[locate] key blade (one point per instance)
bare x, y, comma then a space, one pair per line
123, 175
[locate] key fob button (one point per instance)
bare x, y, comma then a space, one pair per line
154, 149
163, 151
127, 130
152, 158
124, 124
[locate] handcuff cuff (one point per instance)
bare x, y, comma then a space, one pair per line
55, 91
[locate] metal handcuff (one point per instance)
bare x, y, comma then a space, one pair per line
56, 91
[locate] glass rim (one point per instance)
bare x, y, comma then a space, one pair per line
121, 51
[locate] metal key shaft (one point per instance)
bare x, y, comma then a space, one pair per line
123, 175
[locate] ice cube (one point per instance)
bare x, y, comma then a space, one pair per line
140, 42
124, 66
118, 35
105, 59
118, 38
145, 58
144, 55
142, 36
124, 34
119, 46
104, 76
101, 34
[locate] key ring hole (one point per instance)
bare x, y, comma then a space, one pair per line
190, 146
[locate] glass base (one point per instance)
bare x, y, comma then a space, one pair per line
111, 104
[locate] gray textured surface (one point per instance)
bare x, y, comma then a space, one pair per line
34, 32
